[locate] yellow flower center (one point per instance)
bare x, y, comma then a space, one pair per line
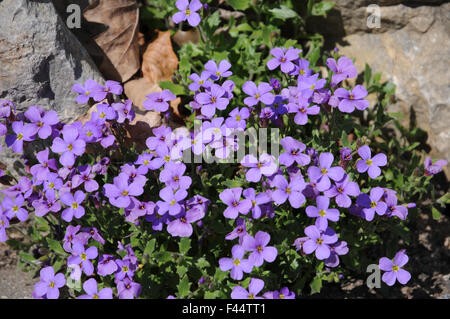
19, 136
281, 296
322, 213
52, 284
259, 249
146, 162
51, 185
173, 202
201, 82
187, 12
218, 73
236, 262
323, 171
89, 134
319, 241
15, 208
87, 93
95, 296
312, 87
251, 296
167, 158
74, 205
70, 147
302, 72
257, 96
238, 117
213, 99
102, 115
373, 204
253, 203
395, 268
125, 193
83, 256
369, 162
125, 269
288, 190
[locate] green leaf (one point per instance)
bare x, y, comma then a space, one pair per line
27, 257
367, 74
181, 270
202, 263
43, 223
314, 56
239, 4
316, 285
283, 13
56, 246
211, 294
184, 287
150, 247
174, 88
397, 115
321, 8
435, 213
344, 139
185, 245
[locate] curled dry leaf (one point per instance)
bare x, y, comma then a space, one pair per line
119, 41
182, 37
159, 61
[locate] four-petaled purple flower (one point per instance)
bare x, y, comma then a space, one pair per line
266, 166
237, 264
188, 12
343, 69
292, 190
42, 122
393, 270
211, 100
322, 212
254, 287
216, 71
324, 172
69, 146
258, 246
352, 99
91, 289
49, 283
258, 94
293, 152
342, 190
158, 101
232, 198
369, 163
74, 202
319, 241
82, 257
284, 59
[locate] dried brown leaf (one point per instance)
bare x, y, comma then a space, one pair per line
159, 61
119, 41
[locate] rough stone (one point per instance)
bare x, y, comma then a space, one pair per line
411, 49
40, 60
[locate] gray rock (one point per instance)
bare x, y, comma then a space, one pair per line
40, 60
411, 48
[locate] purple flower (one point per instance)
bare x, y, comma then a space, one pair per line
259, 249
181, 226
433, 169
46, 204
128, 289
110, 87
342, 190
172, 175
343, 69
119, 193
85, 177
42, 124
83, 257
4, 223
303, 70
369, 163
237, 118
232, 198
322, 212
91, 289
258, 94
5, 108
70, 146
201, 81
124, 111
266, 166
215, 72
237, 264
171, 201
14, 208
371, 204
254, 287
90, 89
240, 231
284, 293
41, 170
283, 58
106, 265
319, 241
311, 83
74, 203
104, 112
70, 237
158, 101
352, 99
337, 249
23, 133
188, 12
275, 84
324, 172
49, 284
292, 190
124, 269
346, 154
90, 132
293, 152
393, 209
257, 201
211, 100
393, 270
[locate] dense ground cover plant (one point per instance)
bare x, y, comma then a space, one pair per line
108, 221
